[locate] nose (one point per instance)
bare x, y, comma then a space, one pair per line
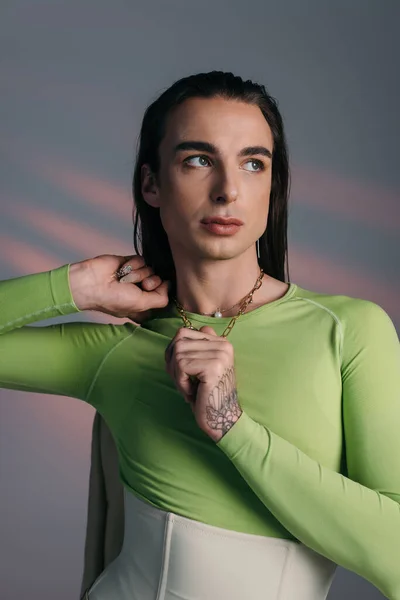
225, 189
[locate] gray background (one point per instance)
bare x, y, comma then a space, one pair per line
75, 80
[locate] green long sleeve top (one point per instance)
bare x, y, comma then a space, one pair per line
315, 455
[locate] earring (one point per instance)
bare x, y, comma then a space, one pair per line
258, 248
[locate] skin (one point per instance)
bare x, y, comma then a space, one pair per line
191, 185
213, 397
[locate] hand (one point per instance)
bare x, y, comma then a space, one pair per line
95, 286
201, 363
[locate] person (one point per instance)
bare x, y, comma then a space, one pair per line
256, 422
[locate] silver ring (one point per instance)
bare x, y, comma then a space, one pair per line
123, 271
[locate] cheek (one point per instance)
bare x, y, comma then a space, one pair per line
181, 201
260, 215
175, 212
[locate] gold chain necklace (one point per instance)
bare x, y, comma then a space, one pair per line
247, 300
218, 313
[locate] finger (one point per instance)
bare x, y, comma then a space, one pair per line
189, 347
135, 262
184, 342
207, 329
185, 384
195, 334
184, 359
135, 257
171, 346
137, 275
184, 334
187, 369
157, 298
152, 282
192, 357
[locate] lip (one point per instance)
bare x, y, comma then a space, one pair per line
220, 229
222, 221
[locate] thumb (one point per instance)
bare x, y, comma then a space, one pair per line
208, 329
158, 298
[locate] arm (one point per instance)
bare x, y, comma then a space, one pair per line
354, 521
55, 359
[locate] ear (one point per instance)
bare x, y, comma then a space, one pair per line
150, 190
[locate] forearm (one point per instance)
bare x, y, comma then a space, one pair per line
59, 359
36, 297
352, 525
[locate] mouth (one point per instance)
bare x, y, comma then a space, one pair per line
222, 221
220, 226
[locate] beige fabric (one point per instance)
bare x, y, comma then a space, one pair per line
167, 549
105, 512
169, 557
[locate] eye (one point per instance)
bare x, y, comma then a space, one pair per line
198, 156
203, 157
257, 162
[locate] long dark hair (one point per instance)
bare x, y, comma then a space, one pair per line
149, 236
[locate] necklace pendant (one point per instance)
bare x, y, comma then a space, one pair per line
218, 313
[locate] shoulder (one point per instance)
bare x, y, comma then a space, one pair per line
347, 309
97, 335
360, 321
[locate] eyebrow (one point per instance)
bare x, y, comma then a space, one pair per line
207, 147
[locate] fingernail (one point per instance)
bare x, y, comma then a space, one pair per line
124, 270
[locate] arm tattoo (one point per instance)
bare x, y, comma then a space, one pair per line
222, 408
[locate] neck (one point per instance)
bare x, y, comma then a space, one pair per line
207, 286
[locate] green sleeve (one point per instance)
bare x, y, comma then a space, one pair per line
55, 359
355, 520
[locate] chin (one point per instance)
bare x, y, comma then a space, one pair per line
218, 254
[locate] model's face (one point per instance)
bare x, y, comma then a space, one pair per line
198, 181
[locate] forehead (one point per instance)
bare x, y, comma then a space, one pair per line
226, 123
